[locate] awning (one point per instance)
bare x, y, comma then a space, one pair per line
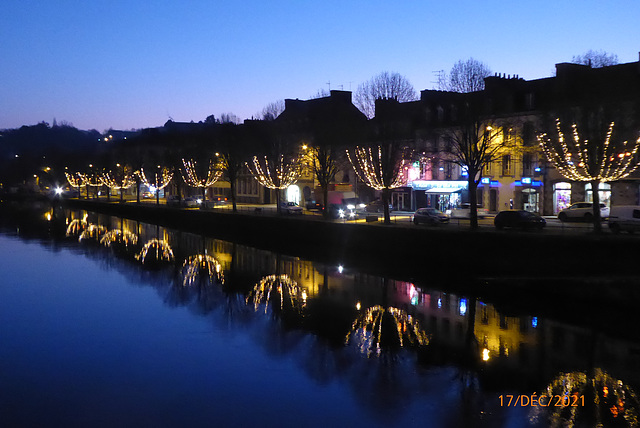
444, 190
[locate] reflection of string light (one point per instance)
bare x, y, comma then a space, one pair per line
76, 227
196, 265
614, 401
117, 236
92, 231
160, 250
287, 290
370, 328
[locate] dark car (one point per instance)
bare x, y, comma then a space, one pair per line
376, 207
519, 219
429, 216
342, 211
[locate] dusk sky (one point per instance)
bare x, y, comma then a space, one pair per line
135, 64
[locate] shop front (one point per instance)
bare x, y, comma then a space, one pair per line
561, 196
443, 195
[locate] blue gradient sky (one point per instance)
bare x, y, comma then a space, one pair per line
135, 64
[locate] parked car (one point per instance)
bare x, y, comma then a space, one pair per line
624, 219
191, 201
314, 206
429, 216
148, 195
582, 211
464, 211
290, 208
376, 207
173, 200
519, 219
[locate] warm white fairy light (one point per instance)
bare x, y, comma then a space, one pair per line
369, 165
117, 236
201, 264
579, 160
122, 178
159, 249
76, 226
159, 180
367, 329
91, 179
75, 180
190, 176
92, 231
275, 175
563, 402
286, 289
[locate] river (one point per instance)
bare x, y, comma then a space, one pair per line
112, 322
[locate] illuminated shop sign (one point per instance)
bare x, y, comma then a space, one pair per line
485, 180
527, 181
438, 184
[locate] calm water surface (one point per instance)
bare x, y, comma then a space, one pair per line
110, 322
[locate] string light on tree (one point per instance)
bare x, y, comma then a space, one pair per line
75, 180
191, 177
579, 159
373, 168
158, 180
277, 175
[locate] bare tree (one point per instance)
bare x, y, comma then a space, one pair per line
474, 144
384, 85
595, 59
322, 93
465, 76
592, 147
272, 110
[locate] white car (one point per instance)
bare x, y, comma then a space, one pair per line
464, 211
290, 208
582, 211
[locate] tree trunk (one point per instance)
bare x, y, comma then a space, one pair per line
473, 201
278, 210
385, 204
325, 201
597, 221
232, 184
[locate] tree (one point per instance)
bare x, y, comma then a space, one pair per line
231, 142
272, 110
279, 164
379, 166
474, 143
465, 76
321, 93
384, 85
591, 148
596, 59
201, 177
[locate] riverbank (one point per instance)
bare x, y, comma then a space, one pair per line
409, 252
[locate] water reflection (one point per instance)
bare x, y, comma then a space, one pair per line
379, 328
460, 351
578, 398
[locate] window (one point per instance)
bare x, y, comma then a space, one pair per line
506, 165
529, 100
528, 134
527, 165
